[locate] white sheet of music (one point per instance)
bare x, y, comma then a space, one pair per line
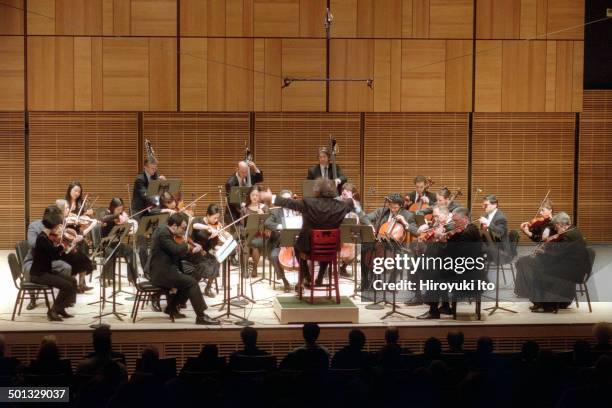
292, 222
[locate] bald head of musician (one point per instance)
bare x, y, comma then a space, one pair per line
244, 167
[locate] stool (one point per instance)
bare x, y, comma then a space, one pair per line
324, 247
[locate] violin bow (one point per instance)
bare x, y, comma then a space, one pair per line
542, 202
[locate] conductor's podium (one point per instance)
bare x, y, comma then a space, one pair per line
290, 309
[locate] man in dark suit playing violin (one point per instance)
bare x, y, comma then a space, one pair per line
325, 169
166, 256
494, 222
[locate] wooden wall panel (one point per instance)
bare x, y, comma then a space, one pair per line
267, 78
286, 145
351, 59
423, 75
95, 73
595, 165
99, 149
217, 74
400, 146
542, 19
11, 17
534, 76
102, 17
12, 167
402, 18
518, 157
202, 149
303, 59
11, 74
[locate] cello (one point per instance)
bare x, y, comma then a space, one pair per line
419, 205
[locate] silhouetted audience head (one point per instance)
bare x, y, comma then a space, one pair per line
357, 339
149, 358
484, 345
602, 332
530, 351
102, 343
48, 350
455, 340
311, 331
249, 337
392, 335
433, 348
209, 351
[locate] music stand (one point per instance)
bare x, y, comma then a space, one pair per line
115, 237
159, 187
256, 223
356, 234
238, 195
227, 297
148, 224
308, 188
491, 242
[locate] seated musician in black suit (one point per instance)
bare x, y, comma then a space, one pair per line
165, 267
247, 174
495, 222
420, 193
322, 211
274, 223
325, 169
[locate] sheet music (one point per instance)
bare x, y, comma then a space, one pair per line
294, 222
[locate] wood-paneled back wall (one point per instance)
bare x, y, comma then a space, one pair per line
232, 55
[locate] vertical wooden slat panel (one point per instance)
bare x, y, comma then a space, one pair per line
11, 17
458, 81
12, 162
400, 146
82, 73
162, 74
423, 75
286, 145
488, 92
518, 157
99, 149
351, 59
126, 73
202, 149
303, 59
595, 165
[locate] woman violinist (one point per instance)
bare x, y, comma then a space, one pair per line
348, 251
540, 227
205, 231
77, 257
255, 206
116, 215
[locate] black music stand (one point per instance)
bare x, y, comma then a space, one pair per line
256, 223
111, 242
158, 187
492, 242
238, 195
308, 188
356, 234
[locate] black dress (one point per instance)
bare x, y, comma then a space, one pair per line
202, 265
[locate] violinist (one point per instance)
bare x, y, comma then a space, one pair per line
247, 174
166, 265
45, 252
540, 227
116, 215
204, 265
254, 205
275, 223
495, 223
140, 201
386, 221
548, 277
421, 196
167, 205
325, 169
435, 238
445, 198
74, 197
77, 258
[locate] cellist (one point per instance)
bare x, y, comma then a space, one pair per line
392, 216
421, 195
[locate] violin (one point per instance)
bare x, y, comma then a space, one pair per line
67, 240
180, 239
538, 221
553, 238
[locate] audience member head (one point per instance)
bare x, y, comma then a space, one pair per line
310, 332
484, 345
391, 335
455, 340
433, 347
209, 352
48, 350
357, 339
602, 332
249, 337
149, 357
530, 351
101, 339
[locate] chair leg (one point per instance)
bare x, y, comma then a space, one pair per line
503, 272
23, 295
454, 309
300, 287
576, 296
513, 274
19, 294
586, 292
337, 282
478, 304
312, 281
135, 306
47, 299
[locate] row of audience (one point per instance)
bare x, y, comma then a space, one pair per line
436, 377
